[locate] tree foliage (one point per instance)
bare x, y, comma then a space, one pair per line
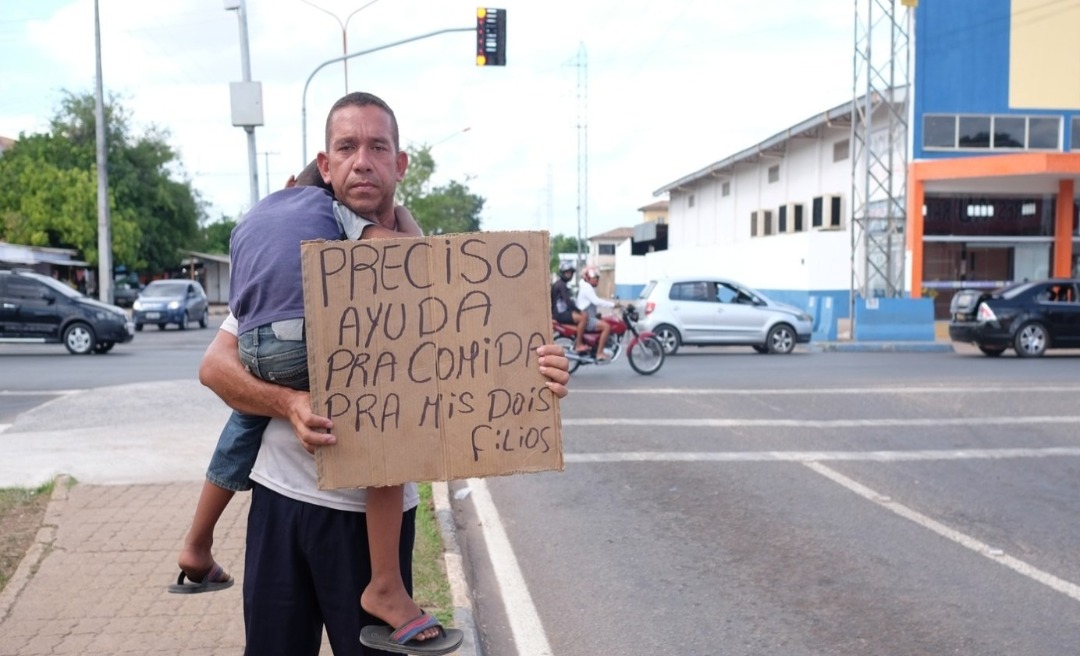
564, 244
48, 189
445, 209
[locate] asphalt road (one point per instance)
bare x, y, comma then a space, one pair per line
736, 503
31, 374
818, 503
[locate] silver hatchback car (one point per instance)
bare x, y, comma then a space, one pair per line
703, 311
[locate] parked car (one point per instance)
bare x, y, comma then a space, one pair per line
1028, 317
171, 301
38, 309
701, 311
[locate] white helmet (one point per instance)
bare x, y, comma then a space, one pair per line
591, 273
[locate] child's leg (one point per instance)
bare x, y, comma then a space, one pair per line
196, 557
233, 458
385, 596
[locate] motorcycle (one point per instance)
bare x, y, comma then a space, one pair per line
643, 350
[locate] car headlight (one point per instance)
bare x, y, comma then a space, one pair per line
136, 305
174, 305
802, 316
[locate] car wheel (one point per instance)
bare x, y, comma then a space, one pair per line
183, 325
79, 338
138, 327
669, 338
1031, 340
103, 347
204, 320
568, 348
781, 339
992, 351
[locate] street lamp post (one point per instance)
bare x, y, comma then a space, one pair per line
303, 97
246, 98
344, 31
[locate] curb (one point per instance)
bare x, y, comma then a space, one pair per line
881, 347
455, 571
37, 552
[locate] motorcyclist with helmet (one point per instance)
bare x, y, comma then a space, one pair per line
590, 304
563, 308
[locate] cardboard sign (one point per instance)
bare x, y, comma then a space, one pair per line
423, 353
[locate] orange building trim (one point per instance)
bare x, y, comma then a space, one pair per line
1063, 169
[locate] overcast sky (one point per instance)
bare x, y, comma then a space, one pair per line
670, 86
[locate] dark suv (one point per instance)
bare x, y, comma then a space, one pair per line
38, 309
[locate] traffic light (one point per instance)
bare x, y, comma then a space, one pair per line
490, 37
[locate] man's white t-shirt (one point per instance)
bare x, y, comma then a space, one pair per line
286, 468
587, 296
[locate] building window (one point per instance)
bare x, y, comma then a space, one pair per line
725, 189
841, 150
606, 249
1074, 140
1009, 132
690, 200
1043, 133
661, 220
774, 173
939, 131
1001, 132
974, 131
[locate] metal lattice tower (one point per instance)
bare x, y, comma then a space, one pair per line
879, 139
582, 65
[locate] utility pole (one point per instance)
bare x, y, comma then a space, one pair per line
266, 166
105, 277
246, 98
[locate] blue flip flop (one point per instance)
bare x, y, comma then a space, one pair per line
216, 579
400, 640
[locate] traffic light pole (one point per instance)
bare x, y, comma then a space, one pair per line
303, 105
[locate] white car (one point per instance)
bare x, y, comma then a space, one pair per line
705, 311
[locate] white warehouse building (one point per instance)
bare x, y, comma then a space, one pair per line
775, 217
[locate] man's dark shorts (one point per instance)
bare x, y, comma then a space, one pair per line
566, 316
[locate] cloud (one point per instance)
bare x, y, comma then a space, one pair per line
660, 87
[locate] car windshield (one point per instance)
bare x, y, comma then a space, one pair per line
166, 288
1015, 290
648, 290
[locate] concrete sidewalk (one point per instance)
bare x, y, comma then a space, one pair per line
94, 582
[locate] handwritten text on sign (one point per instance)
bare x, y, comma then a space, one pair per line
422, 351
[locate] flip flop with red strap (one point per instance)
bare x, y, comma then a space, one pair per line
401, 640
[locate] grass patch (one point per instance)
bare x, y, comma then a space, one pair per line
431, 589
21, 514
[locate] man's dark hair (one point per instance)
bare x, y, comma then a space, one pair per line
363, 99
310, 177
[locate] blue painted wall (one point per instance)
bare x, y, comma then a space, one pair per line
962, 66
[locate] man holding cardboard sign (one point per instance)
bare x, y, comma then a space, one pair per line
305, 542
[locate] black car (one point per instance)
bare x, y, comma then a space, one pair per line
176, 301
1028, 317
38, 309
125, 292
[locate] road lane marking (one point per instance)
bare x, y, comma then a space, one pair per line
529, 636
1060, 585
664, 391
814, 456
824, 423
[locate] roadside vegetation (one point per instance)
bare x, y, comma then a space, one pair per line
21, 514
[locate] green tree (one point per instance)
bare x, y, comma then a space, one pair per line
48, 188
445, 209
563, 244
214, 237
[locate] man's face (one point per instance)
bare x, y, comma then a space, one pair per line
593, 280
361, 163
